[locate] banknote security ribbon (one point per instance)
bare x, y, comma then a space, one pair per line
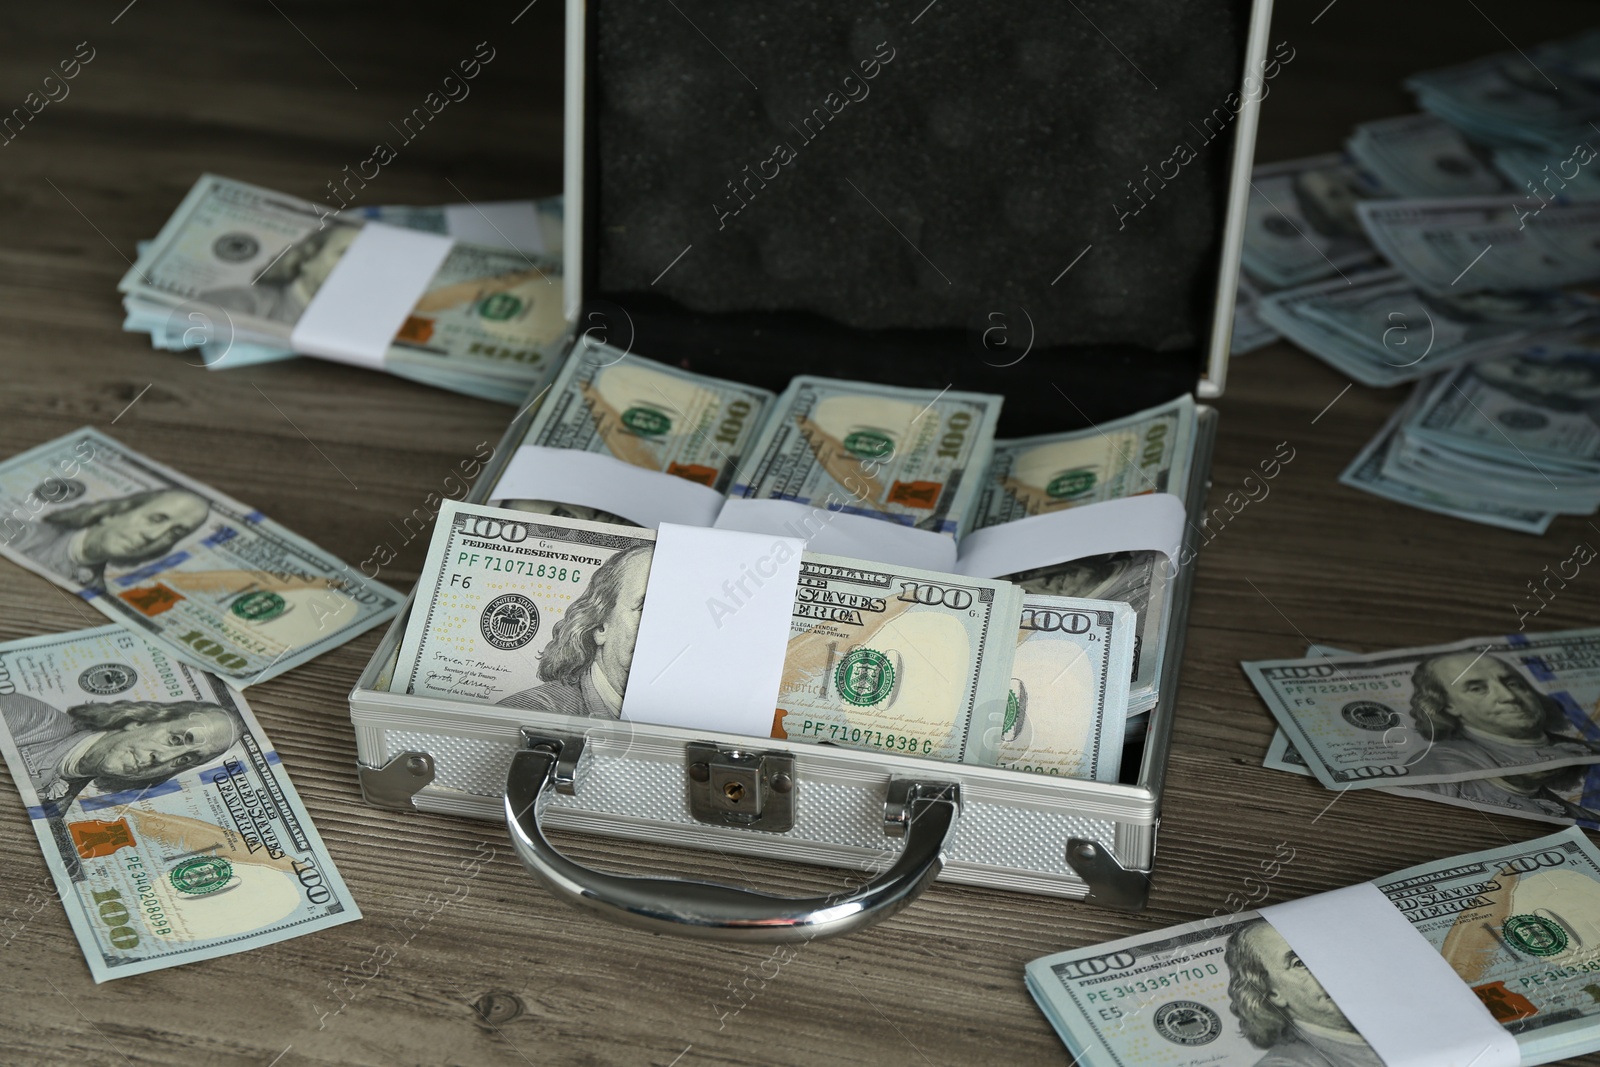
356, 313
714, 630
596, 480
1152, 521
1390, 983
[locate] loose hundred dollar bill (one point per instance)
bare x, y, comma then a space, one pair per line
1518, 924
542, 613
1300, 224
1480, 708
896, 659
910, 456
1561, 796
170, 828
536, 612
1423, 156
256, 258
1464, 245
650, 415
1069, 688
213, 581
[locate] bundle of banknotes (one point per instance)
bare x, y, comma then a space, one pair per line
1510, 441
1436, 239
1516, 924
236, 266
1508, 725
171, 830
542, 612
919, 458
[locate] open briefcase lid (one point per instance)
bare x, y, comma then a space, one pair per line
1038, 199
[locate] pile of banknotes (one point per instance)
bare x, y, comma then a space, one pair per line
236, 266
1516, 924
171, 830
542, 612
1510, 441
1463, 232
1505, 725
920, 458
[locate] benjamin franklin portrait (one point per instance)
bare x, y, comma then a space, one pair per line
585, 666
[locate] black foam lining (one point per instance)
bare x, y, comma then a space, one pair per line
916, 226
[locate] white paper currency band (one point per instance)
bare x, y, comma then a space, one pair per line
1393, 986
503, 224
1152, 522
368, 294
591, 479
839, 533
714, 630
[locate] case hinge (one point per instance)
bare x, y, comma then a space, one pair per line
739, 787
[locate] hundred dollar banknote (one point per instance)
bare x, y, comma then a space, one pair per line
896, 659
1543, 96
1517, 924
650, 415
910, 456
1066, 711
1300, 224
1147, 452
527, 611
1382, 329
1454, 246
1540, 405
1423, 156
1563, 795
542, 613
1479, 708
1366, 472
213, 581
170, 828
255, 258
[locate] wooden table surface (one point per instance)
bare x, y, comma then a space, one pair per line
286, 95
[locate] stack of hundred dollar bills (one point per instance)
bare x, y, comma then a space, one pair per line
1505, 725
1461, 233
541, 612
236, 265
1510, 441
920, 458
1517, 924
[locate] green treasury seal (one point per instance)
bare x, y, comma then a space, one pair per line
1535, 935
198, 877
864, 677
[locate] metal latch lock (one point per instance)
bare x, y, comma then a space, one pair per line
740, 787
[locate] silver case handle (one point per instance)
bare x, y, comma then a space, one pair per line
708, 910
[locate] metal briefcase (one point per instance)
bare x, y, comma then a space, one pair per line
781, 799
